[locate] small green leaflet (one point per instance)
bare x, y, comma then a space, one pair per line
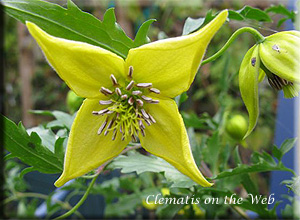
28, 148
136, 162
74, 24
246, 13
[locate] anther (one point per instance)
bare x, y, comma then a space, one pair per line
154, 90
137, 92
147, 99
124, 97
133, 138
147, 122
114, 134
102, 127
130, 72
154, 102
151, 118
130, 85
144, 85
110, 124
106, 91
118, 91
106, 132
105, 102
114, 80
139, 102
131, 101
143, 132
144, 113
142, 126
101, 112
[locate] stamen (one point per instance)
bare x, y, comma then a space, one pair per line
118, 91
114, 134
124, 97
139, 102
106, 91
114, 80
154, 90
144, 85
102, 127
144, 113
148, 122
151, 118
142, 126
147, 99
133, 138
130, 71
137, 92
131, 100
101, 112
143, 132
130, 85
154, 101
105, 102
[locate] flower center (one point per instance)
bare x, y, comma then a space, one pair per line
125, 111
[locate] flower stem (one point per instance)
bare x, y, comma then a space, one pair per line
81, 201
87, 192
258, 37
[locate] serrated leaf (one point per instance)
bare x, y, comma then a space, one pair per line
281, 9
72, 23
254, 14
63, 119
141, 36
263, 163
47, 137
28, 148
139, 163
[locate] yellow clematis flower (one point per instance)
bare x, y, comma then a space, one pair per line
130, 98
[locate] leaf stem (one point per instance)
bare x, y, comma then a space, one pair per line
259, 38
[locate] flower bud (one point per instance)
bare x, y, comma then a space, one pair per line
280, 60
236, 127
73, 101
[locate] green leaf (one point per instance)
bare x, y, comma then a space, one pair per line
192, 120
141, 36
254, 13
246, 13
139, 163
72, 23
63, 120
191, 24
261, 163
287, 145
281, 9
28, 148
213, 147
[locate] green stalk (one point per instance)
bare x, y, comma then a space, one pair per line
81, 201
258, 37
